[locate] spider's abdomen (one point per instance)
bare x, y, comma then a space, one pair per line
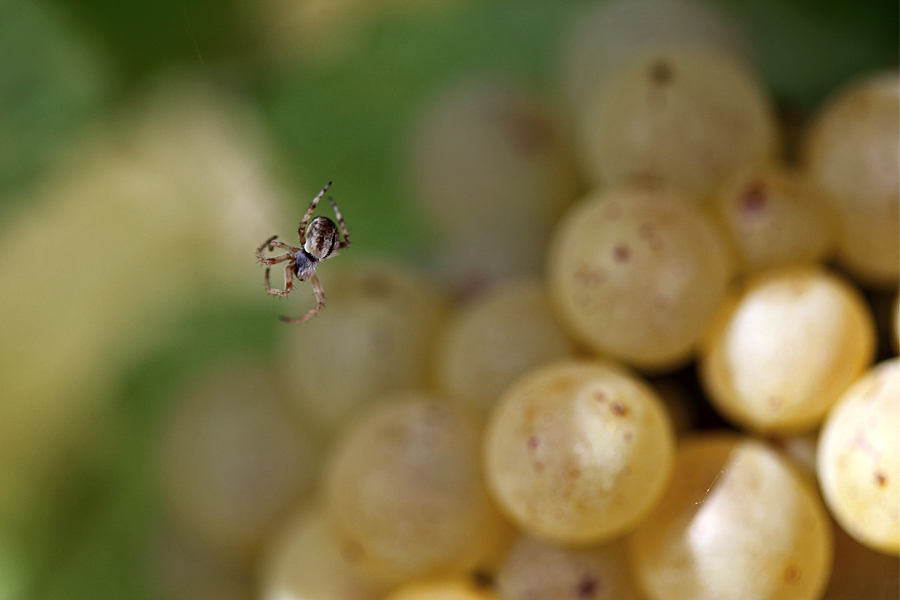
304, 265
321, 238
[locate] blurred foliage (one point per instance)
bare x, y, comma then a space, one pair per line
65, 64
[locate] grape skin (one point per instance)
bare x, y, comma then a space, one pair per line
536, 570
494, 340
404, 491
637, 273
578, 452
859, 459
736, 522
852, 150
688, 118
750, 365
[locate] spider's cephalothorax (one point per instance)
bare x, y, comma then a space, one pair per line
317, 243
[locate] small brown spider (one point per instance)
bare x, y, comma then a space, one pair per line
317, 243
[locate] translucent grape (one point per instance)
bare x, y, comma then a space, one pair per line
577, 452
233, 458
607, 35
404, 489
637, 273
495, 339
375, 335
774, 217
784, 349
306, 561
490, 173
535, 570
688, 118
451, 589
859, 459
852, 150
737, 521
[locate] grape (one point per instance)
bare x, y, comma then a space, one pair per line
859, 458
688, 118
774, 217
374, 336
404, 490
451, 589
607, 35
233, 459
852, 150
783, 350
535, 570
636, 273
577, 452
860, 572
307, 562
490, 173
737, 522
495, 339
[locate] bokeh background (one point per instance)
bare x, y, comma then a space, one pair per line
146, 148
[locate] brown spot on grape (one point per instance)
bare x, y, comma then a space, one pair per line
621, 253
587, 276
600, 397
620, 409
613, 211
661, 72
754, 198
534, 441
880, 479
588, 587
573, 473
627, 437
481, 579
775, 402
792, 573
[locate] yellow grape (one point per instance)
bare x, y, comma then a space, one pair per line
495, 339
636, 273
774, 217
536, 570
490, 173
783, 350
306, 561
737, 522
852, 151
233, 458
687, 117
450, 589
404, 490
859, 459
577, 452
375, 335
607, 35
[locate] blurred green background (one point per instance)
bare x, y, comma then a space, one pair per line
329, 87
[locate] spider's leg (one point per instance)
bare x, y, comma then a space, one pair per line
273, 244
340, 219
288, 281
259, 251
320, 298
309, 212
275, 259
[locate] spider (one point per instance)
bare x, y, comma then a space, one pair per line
317, 243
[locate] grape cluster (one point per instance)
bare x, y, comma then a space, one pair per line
530, 427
